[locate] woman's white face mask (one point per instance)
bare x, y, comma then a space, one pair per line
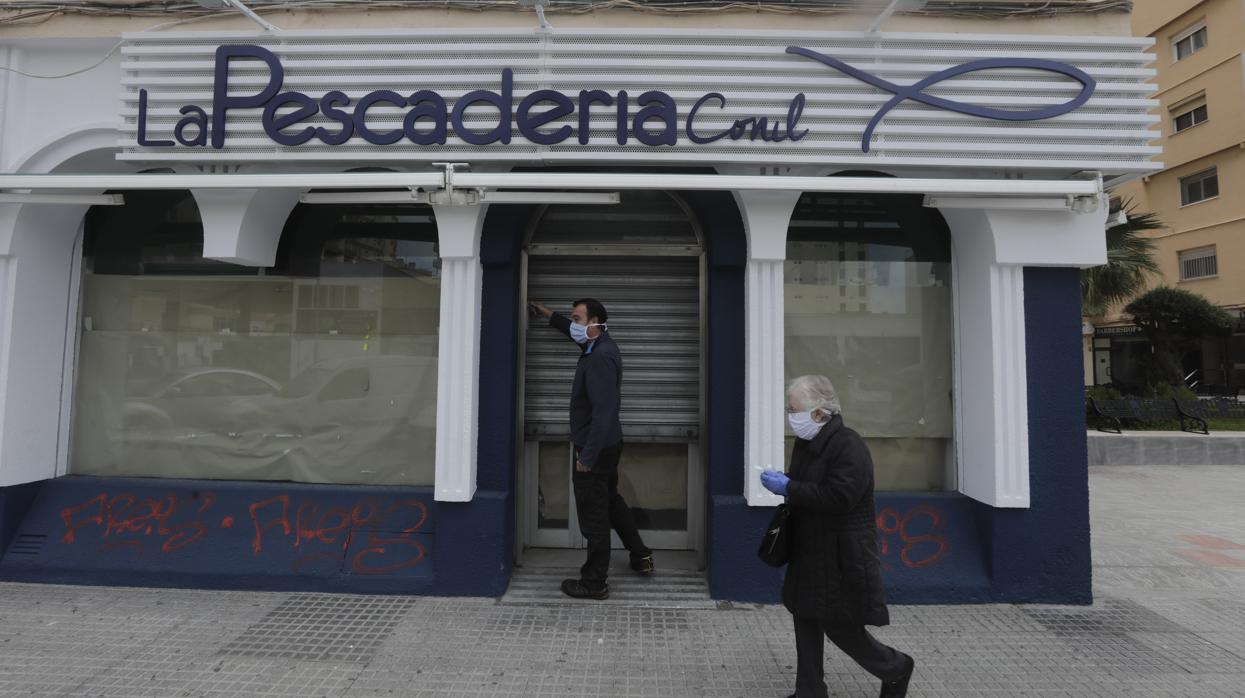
803, 425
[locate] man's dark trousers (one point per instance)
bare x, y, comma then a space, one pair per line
600, 507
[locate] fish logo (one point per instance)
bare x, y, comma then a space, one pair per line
916, 91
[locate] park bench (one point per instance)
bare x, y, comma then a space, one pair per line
1113, 412
1215, 408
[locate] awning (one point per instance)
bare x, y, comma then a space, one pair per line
453, 185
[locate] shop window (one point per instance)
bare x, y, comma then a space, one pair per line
1189, 42
868, 304
1199, 264
1189, 114
321, 369
1199, 187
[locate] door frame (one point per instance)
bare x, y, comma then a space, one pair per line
526, 474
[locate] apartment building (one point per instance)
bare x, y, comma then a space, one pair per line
1200, 78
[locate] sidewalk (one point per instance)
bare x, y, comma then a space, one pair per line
1169, 621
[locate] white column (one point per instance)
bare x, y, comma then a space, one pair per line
458, 351
990, 249
38, 324
991, 377
766, 217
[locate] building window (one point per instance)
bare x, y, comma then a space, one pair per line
1188, 115
322, 369
1199, 187
868, 304
1189, 42
1199, 264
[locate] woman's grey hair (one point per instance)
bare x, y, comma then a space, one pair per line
814, 392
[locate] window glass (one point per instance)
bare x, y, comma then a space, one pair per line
1190, 118
1199, 187
1191, 43
322, 369
868, 304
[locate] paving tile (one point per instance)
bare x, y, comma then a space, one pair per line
1161, 626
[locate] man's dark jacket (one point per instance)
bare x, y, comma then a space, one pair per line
834, 572
596, 394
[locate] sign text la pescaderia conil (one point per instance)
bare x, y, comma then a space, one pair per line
651, 118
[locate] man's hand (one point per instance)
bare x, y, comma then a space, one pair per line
539, 309
582, 468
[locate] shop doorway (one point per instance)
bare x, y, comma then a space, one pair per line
643, 259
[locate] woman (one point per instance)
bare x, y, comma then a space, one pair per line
833, 584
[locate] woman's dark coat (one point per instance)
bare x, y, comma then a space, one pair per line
834, 572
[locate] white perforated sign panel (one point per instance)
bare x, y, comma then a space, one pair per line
754, 73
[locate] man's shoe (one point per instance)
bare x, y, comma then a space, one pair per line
576, 589
643, 565
898, 688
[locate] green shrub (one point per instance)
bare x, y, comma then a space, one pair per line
1103, 392
1165, 391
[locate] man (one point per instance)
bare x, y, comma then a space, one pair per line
596, 433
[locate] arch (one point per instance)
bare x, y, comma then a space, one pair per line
84, 150
55, 153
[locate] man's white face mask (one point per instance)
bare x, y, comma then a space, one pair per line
803, 425
579, 332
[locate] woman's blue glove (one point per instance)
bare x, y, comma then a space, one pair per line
775, 482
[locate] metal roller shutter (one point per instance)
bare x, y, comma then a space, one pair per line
654, 316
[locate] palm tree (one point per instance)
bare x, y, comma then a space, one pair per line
1129, 259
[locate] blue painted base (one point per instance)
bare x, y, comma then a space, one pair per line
15, 502
929, 547
255, 535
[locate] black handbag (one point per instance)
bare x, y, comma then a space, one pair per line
775, 544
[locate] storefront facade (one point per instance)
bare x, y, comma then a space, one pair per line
268, 329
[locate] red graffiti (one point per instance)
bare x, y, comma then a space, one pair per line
390, 527
124, 514
920, 546
338, 526
379, 546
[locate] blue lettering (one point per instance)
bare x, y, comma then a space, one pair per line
328, 105
528, 123
274, 124
758, 129
194, 116
657, 105
360, 117
621, 127
586, 99
740, 127
430, 105
691, 116
793, 118
502, 101
142, 124
222, 102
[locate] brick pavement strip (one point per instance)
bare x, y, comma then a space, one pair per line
1165, 623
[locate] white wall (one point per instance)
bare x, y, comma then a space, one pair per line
45, 124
